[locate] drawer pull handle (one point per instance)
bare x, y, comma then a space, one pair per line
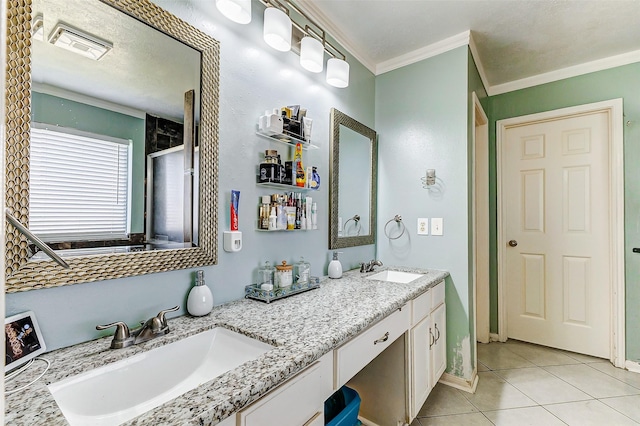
438, 336
432, 339
382, 339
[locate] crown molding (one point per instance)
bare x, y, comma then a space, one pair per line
319, 17
478, 62
426, 52
561, 74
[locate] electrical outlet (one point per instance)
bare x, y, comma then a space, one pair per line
437, 226
423, 226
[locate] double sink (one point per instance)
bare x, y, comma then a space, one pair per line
135, 385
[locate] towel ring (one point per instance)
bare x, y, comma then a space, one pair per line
356, 219
397, 219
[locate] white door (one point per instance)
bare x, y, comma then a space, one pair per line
555, 204
439, 347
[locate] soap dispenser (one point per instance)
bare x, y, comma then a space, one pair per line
335, 267
200, 300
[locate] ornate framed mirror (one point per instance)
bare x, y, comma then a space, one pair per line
26, 273
353, 182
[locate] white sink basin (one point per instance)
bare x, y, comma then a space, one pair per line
395, 276
118, 392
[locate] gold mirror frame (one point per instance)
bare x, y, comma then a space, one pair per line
337, 119
22, 274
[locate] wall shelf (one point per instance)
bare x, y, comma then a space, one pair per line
287, 140
284, 230
285, 186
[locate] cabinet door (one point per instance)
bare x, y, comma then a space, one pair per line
439, 347
420, 365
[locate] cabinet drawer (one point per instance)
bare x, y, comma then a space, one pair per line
359, 351
295, 402
420, 307
437, 295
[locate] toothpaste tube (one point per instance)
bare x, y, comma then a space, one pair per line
235, 200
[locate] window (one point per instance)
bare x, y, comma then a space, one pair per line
80, 185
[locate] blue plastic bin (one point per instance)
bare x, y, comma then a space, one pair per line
348, 416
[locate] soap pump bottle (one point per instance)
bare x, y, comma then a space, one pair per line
335, 267
200, 300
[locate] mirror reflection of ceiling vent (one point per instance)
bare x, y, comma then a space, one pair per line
79, 42
37, 28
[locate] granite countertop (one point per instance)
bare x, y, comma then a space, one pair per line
302, 328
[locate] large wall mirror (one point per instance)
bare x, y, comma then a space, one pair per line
112, 141
353, 182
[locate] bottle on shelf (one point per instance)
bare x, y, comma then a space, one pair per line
299, 167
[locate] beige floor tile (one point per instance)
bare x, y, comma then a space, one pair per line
627, 405
529, 416
542, 386
591, 381
628, 377
497, 356
482, 367
540, 355
583, 358
493, 393
588, 413
445, 400
472, 419
415, 422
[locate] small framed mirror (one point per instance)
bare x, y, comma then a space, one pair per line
353, 182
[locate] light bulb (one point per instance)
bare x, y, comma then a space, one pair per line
337, 73
237, 10
277, 29
311, 54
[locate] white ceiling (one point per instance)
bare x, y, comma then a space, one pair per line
513, 41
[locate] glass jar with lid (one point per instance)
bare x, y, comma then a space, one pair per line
303, 271
265, 276
284, 275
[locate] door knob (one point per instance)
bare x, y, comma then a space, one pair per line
513, 243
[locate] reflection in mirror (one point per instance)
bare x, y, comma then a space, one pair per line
95, 120
109, 91
352, 217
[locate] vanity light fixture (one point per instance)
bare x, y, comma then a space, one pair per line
338, 72
79, 42
277, 29
237, 10
311, 54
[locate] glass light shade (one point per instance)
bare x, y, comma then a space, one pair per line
277, 29
337, 73
237, 10
311, 54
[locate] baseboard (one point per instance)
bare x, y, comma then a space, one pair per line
460, 383
494, 337
366, 422
633, 366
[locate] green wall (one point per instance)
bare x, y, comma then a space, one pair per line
58, 111
621, 82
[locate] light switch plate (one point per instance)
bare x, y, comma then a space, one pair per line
437, 226
423, 226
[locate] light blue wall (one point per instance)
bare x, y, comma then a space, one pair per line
421, 119
63, 112
253, 77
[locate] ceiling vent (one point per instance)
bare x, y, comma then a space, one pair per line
79, 42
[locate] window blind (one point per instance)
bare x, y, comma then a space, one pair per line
80, 185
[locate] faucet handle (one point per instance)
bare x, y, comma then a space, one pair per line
161, 317
122, 330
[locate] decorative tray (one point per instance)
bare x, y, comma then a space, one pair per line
254, 292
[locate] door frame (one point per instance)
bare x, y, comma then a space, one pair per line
614, 109
480, 246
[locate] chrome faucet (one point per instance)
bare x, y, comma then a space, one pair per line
368, 266
152, 328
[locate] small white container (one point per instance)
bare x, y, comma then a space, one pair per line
335, 267
284, 275
200, 300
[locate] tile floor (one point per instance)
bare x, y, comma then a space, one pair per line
525, 384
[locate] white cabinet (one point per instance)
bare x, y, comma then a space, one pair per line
427, 346
298, 401
439, 346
